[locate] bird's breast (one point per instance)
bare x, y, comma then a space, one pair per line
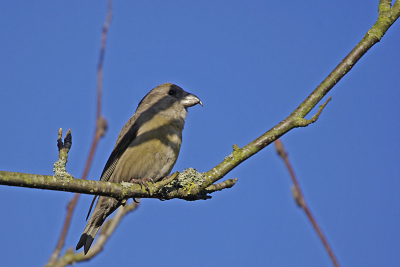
153, 152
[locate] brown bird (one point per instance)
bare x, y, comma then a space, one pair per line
146, 148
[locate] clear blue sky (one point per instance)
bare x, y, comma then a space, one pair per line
251, 63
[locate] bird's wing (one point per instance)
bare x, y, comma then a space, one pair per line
126, 136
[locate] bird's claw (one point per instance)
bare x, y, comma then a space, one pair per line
143, 182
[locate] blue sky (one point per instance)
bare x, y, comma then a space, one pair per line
251, 63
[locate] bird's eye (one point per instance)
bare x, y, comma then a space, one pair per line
171, 92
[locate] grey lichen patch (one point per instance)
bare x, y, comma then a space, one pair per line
59, 170
188, 179
126, 185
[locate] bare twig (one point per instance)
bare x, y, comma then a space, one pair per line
219, 186
300, 200
101, 126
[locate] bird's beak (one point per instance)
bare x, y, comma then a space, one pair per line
190, 100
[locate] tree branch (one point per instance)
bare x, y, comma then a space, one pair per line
387, 16
120, 191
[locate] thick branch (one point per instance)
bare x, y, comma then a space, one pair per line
120, 191
71, 185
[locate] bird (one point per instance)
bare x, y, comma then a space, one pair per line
146, 149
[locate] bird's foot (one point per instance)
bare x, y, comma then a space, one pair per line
142, 182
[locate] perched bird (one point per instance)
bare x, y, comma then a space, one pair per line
146, 148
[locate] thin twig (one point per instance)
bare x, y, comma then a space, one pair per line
101, 127
300, 200
101, 59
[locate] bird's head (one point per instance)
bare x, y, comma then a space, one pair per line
168, 96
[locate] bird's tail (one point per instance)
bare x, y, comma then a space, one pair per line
104, 207
88, 236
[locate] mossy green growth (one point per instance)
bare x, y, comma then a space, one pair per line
237, 152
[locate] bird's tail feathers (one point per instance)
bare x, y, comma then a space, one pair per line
88, 236
104, 207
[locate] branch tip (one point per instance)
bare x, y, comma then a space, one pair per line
68, 140
59, 139
63, 148
220, 186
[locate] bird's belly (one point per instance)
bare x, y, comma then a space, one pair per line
148, 156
